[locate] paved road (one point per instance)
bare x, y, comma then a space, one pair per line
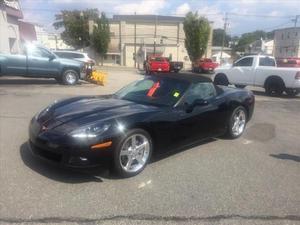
252, 180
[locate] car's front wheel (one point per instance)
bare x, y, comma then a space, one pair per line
237, 122
70, 77
133, 153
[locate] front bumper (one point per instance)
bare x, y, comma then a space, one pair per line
82, 75
77, 159
58, 149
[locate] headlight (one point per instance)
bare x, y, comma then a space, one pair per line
90, 131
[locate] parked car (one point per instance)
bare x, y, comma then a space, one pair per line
175, 66
204, 65
157, 64
148, 116
80, 56
288, 62
261, 71
39, 62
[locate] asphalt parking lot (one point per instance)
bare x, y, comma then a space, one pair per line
252, 180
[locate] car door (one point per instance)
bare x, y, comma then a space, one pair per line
203, 120
242, 71
16, 65
42, 63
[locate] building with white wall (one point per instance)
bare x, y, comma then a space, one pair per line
287, 42
50, 40
10, 13
136, 36
260, 47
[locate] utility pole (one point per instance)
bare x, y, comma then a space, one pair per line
296, 20
55, 36
224, 35
134, 39
155, 30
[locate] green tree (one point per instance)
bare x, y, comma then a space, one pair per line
101, 36
75, 26
218, 38
196, 31
250, 37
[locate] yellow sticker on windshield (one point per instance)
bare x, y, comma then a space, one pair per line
176, 94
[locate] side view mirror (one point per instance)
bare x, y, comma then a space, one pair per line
51, 57
197, 102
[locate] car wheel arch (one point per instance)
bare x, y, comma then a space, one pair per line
273, 77
146, 128
234, 104
221, 76
70, 68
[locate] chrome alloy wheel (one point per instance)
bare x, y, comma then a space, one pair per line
134, 153
239, 122
70, 77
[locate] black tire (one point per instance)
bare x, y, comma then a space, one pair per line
230, 133
117, 164
240, 86
221, 79
274, 87
70, 77
292, 92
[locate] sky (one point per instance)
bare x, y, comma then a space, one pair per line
243, 15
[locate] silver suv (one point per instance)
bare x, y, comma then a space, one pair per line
79, 56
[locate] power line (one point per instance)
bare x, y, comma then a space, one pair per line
258, 15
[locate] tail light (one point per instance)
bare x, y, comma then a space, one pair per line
297, 77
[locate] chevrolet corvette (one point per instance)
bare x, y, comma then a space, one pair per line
154, 114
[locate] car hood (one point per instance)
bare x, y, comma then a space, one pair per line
85, 110
71, 62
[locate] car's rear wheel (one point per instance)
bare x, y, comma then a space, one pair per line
70, 77
133, 153
237, 122
274, 87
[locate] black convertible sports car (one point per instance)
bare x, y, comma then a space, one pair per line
148, 115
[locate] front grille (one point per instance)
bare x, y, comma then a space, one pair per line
56, 157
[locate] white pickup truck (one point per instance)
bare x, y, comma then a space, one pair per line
260, 70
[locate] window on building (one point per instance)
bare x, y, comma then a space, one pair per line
288, 35
282, 36
266, 61
244, 62
105, 57
200, 91
13, 45
296, 34
113, 57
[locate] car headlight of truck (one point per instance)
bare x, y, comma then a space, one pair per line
90, 132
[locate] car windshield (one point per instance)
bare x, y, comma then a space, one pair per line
154, 90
